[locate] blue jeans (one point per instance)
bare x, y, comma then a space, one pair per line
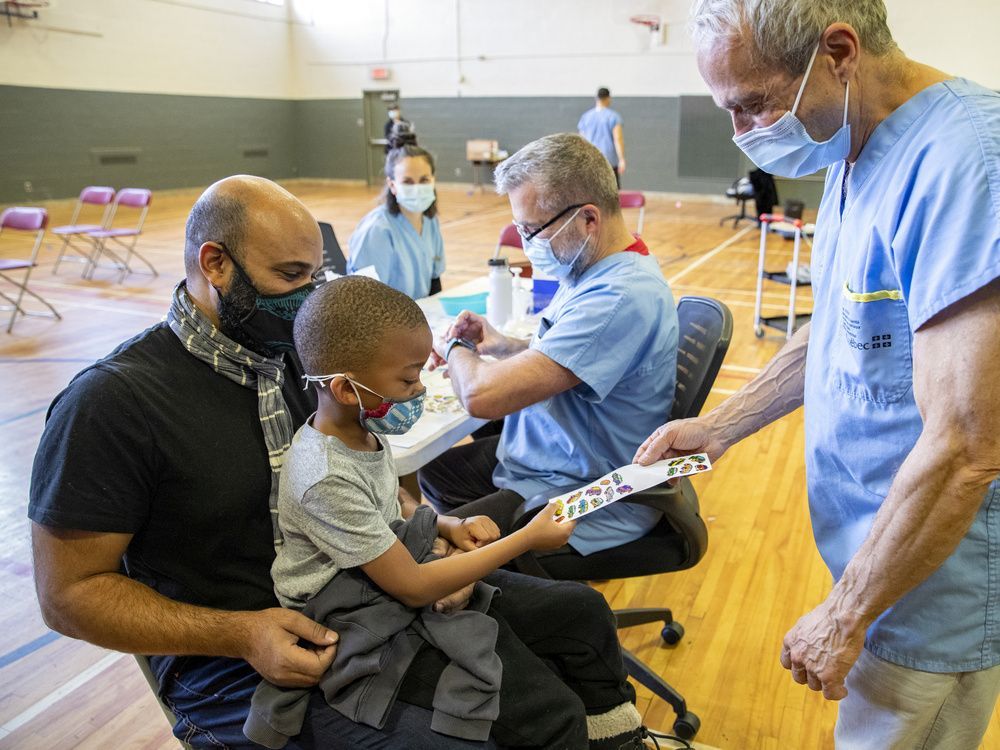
210, 697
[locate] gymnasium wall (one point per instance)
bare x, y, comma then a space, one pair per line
170, 93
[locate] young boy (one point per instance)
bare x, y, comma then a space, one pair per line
350, 561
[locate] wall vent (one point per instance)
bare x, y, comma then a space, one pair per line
115, 157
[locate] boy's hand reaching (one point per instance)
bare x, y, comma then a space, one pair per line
545, 532
469, 533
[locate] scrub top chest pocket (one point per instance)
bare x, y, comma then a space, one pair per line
872, 356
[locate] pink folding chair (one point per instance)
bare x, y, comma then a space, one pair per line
76, 232
118, 243
23, 220
634, 199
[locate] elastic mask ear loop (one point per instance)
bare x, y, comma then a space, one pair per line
805, 78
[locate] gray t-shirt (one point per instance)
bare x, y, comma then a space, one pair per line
334, 509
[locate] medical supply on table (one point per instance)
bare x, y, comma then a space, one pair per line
522, 300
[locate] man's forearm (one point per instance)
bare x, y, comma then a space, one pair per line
508, 346
776, 391
931, 504
115, 612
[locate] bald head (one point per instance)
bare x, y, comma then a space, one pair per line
238, 210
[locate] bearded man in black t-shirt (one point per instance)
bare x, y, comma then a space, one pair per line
152, 488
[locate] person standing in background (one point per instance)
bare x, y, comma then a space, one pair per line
602, 126
395, 116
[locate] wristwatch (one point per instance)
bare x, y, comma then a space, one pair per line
452, 343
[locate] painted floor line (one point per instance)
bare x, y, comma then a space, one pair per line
28, 648
709, 255
57, 695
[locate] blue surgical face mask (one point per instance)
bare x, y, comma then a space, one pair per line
390, 418
784, 148
416, 198
539, 251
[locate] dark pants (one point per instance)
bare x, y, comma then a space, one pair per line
459, 482
561, 661
211, 699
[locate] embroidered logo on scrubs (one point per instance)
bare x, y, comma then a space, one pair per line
852, 329
882, 342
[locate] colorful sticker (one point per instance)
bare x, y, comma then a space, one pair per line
574, 497
617, 478
624, 489
594, 491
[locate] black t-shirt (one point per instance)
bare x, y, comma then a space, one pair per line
151, 441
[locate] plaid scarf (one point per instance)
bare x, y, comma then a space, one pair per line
202, 339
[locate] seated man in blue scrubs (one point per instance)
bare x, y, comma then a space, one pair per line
401, 237
899, 369
582, 394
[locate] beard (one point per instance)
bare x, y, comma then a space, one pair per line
235, 306
571, 248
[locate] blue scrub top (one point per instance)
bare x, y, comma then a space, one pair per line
404, 260
616, 330
597, 126
917, 230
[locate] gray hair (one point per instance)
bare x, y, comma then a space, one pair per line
783, 33
564, 169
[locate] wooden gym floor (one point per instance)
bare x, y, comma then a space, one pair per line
761, 572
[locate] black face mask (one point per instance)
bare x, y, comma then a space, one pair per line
263, 323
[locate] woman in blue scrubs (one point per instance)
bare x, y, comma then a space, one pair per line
401, 238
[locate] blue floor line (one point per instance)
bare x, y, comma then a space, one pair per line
27, 649
25, 415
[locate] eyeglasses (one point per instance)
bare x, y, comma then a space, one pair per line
527, 236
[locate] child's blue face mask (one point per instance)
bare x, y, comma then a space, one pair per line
390, 418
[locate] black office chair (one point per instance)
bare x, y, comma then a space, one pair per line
742, 191
333, 256
680, 539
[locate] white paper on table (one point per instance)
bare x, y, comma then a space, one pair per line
368, 271
425, 428
625, 481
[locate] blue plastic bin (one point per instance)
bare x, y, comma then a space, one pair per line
542, 292
472, 302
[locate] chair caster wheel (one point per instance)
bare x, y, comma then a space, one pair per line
687, 726
759, 332
672, 633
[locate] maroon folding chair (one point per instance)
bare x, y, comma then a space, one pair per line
74, 234
23, 220
509, 237
634, 199
118, 243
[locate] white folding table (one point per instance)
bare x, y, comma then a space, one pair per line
436, 432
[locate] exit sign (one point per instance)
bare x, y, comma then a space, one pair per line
380, 74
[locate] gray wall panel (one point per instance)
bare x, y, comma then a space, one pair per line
48, 137
53, 138
328, 140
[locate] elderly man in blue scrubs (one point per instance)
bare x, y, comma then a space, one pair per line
899, 370
596, 378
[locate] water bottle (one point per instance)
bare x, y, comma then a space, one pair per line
498, 303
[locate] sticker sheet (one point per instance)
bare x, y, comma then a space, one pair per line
625, 481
